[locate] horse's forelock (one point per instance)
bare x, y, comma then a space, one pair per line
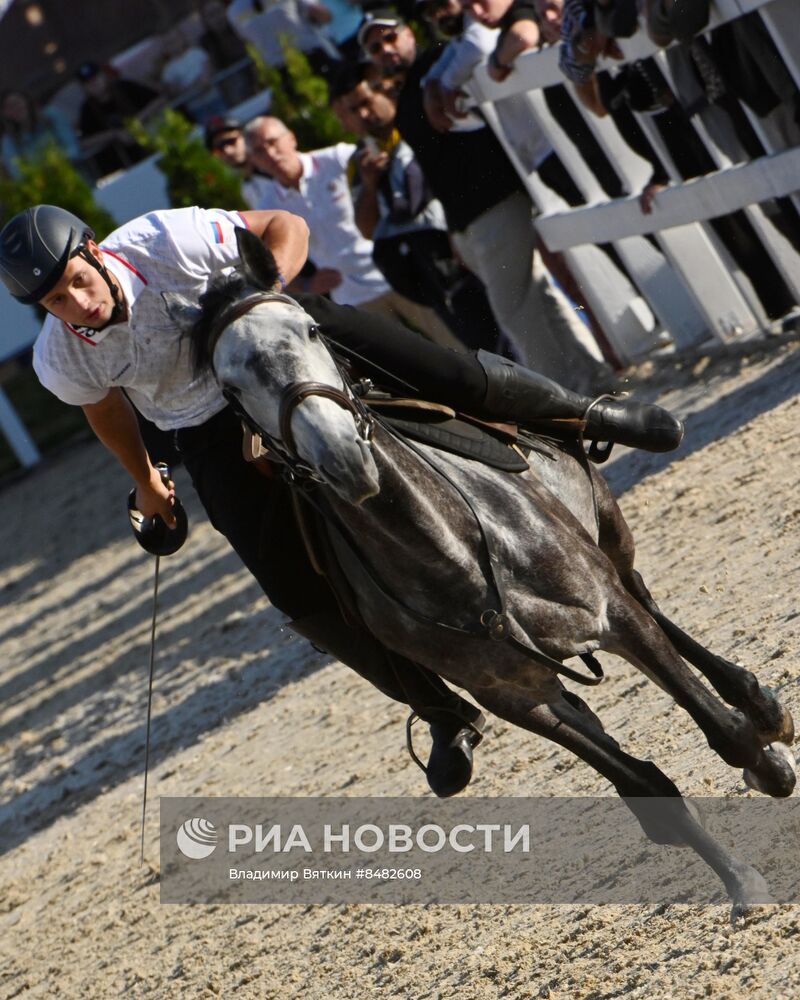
222, 292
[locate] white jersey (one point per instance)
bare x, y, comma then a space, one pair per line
148, 356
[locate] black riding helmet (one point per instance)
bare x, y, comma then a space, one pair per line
35, 247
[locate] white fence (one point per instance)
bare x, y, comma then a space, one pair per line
689, 286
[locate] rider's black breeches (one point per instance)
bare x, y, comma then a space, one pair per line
377, 345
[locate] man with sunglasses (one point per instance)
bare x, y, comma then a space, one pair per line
224, 137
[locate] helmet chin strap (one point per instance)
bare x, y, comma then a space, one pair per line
102, 270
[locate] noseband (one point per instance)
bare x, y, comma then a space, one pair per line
284, 449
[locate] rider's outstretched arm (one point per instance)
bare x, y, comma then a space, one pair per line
114, 422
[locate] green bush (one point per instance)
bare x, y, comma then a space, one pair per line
194, 175
300, 99
48, 178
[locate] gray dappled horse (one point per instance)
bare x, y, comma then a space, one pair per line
445, 554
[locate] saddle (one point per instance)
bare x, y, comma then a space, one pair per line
494, 444
498, 445
431, 423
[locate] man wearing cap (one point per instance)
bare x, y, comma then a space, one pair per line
110, 101
395, 208
224, 137
488, 214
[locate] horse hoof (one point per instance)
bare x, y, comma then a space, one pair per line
776, 772
750, 892
778, 724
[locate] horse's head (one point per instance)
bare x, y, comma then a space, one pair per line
266, 354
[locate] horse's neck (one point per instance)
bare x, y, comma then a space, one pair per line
417, 515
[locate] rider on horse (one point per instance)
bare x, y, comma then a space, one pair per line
109, 341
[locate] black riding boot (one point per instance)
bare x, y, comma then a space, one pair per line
456, 725
519, 394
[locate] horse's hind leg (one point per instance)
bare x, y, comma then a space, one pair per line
736, 685
648, 792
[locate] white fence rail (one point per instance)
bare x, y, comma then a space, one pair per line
688, 286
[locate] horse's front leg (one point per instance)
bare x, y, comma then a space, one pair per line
738, 686
648, 792
635, 636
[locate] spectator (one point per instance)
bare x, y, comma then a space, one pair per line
186, 76
739, 61
314, 186
524, 24
755, 73
301, 22
446, 108
639, 86
224, 137
226, 49
671, 20
343, 27
26, 130
109, 102
468, 43
395, 208
488, 214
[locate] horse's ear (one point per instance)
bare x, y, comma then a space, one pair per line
181, 311
257, 263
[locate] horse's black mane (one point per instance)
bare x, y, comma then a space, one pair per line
257, 269
222, 292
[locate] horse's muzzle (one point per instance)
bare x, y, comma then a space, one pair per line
353, 475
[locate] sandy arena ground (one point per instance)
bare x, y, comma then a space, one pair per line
242, 708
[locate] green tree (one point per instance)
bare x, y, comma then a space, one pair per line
194, 175
48, 178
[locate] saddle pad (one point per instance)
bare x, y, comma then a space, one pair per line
459, 438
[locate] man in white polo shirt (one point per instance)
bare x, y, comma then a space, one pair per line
315, 186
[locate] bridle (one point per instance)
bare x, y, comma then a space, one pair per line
283, 449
